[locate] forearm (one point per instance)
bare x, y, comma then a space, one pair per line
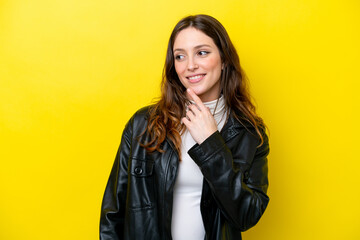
240, 193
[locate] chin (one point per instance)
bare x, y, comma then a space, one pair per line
198, 92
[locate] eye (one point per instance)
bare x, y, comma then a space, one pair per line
179, 57
203, 53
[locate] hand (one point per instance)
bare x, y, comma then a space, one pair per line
199, 121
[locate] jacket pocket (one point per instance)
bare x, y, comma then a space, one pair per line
141, 168
141, 190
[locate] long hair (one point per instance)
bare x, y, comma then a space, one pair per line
165, 115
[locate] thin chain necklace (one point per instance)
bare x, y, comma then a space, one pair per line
217, 101
214, 112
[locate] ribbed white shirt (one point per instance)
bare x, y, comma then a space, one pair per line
186, 216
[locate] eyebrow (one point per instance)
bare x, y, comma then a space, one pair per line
196, 47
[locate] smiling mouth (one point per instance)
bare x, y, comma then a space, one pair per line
196, 78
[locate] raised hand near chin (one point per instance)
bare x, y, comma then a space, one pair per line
199, 120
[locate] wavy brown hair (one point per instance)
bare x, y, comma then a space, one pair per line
165, 115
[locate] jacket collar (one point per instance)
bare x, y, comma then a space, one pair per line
233, 126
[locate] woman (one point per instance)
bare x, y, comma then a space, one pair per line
193, 165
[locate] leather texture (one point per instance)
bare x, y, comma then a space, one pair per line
137, 202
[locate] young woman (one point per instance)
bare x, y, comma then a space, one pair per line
193, 166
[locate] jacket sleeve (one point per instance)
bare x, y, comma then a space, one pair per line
114, 199
240, 192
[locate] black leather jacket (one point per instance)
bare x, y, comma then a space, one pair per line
138, 198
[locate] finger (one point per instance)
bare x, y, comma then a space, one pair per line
185, 121
196, 99
190, 115
194, 109
208, 109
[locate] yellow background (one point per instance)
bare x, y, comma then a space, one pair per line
73, 72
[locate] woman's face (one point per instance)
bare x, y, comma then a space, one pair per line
198, 63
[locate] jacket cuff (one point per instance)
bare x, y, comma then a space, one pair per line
200, 153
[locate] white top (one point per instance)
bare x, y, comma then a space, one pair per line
186, 216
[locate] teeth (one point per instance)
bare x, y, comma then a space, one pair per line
195, 77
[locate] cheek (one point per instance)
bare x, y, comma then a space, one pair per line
213, 64
179, 68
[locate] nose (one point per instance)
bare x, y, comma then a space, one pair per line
192, 65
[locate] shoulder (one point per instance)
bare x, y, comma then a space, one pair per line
139, 119
142, 114
243, 139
